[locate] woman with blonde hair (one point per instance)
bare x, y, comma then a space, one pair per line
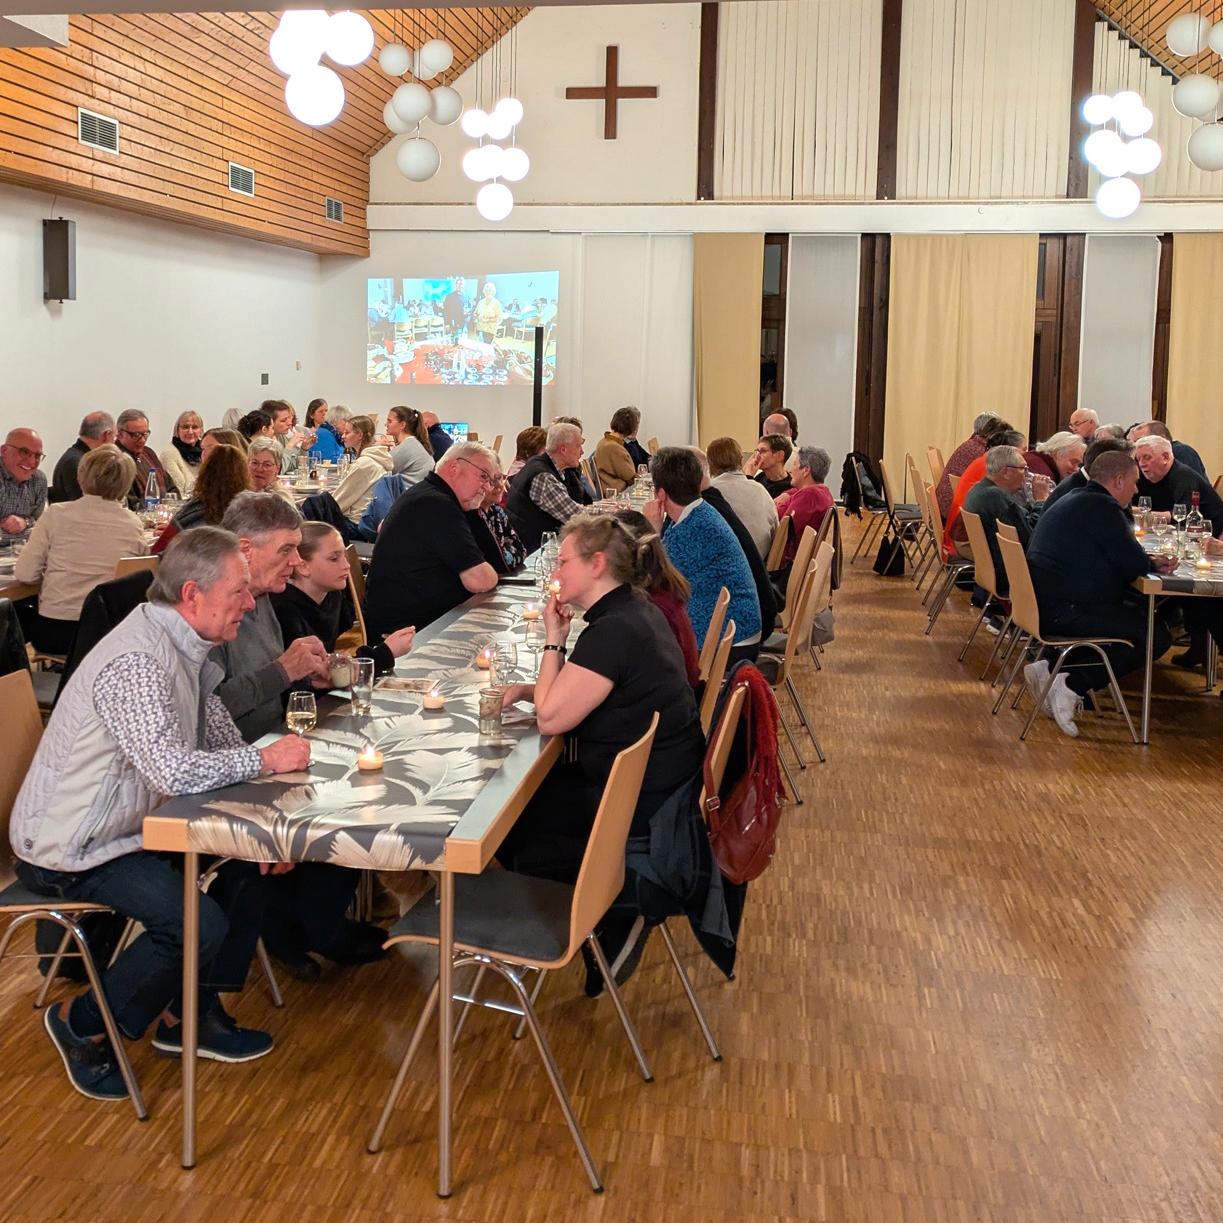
222, 437
74, 546
183, 456
372, 461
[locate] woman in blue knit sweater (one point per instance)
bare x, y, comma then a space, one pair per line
703, 548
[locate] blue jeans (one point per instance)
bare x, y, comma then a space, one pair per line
147, 976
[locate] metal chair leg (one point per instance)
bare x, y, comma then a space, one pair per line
520, 1029
972, 636
1044, 692
989, 662
625, 1022
806, 721
868, 536
53, 971
1016, 636
785, 768
269, 974
1011, 672
475, 994
690, 993
802, 764
375, 1142
1116, 690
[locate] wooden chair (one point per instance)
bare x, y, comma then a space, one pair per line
506, 922
777, 549
652, 445
714, 632
878, 517
1218, 486
954, 481
358, 635
133, 564
803, 552
592, 474
985, 577
21, 730
953, 564
496, 447
1026, 615
934, 456
927, 548
904, 519
717, 673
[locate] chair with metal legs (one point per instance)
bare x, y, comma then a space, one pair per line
904, 521
934, 456
713, 633
1026, 614
21, 729
878, 515
717, 673
506, 923
777, 548
951, 566
985, 577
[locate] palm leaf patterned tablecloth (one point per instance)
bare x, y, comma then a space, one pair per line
435, 764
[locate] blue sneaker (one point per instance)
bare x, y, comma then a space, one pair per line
90, 1064
220, 1039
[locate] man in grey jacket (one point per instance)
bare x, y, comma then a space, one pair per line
139, 721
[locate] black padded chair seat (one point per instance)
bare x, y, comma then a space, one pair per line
769, 665
511, 915
16, 897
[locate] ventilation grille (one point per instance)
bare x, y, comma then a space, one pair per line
335, 210
241, 179
97, 131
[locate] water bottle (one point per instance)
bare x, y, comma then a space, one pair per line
152, 493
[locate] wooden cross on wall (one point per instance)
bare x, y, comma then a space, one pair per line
610, 92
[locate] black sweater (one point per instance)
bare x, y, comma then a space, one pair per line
301, 616
1178, 487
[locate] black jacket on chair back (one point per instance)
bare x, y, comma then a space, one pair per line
529, 520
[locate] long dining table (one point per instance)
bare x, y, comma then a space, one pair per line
443, 801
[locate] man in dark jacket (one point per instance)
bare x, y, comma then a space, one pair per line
1181, 451
994, 500
97, 429
1169, 482
1084, 559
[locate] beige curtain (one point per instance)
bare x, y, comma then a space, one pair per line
726, 287
960, 335
1195, 351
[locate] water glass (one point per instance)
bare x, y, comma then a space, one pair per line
536, 637
490, 711
362, 692
301, 716
504, 660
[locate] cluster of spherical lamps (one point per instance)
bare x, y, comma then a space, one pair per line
1114, 116
314, 93
418, 159
492, 162
1197, 96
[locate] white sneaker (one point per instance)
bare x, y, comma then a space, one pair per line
1036, 676
1064, 705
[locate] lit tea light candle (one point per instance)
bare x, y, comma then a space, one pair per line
370, 760
484, 659
531, 611
1202, 562
433, 699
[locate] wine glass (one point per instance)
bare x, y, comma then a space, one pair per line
1180, 512
504, 660
535, 638
302, 713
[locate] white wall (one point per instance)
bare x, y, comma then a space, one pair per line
167, 317
653, 157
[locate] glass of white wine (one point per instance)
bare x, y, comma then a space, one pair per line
301, 717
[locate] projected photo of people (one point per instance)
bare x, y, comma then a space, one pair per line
461, 330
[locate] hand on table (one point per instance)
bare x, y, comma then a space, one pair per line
14, 524
288, 754
400, 641
1163, 563
516, 692
305, 658
1214, 547
275, 868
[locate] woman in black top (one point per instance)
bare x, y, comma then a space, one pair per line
316, 603
624, 667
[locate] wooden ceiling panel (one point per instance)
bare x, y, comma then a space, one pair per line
1145, 22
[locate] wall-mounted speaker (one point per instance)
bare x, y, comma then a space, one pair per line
59, 260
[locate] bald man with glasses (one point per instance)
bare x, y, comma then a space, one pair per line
23, 488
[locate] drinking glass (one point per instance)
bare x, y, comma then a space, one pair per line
362, 691
302, 713
1180, 512
1144, 504
341, 670
505, 659
535, 638
490, 711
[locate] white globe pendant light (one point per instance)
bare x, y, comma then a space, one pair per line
393, 59
290, 53
510, 109
1206, 147
445, 105
422, 72
473, 164
494, 201
418, 159
499, 126
515, 165
1187, 34
305, 31
1097, 109
315, 96
350, 39
474, 123
1118, 198
1143, 155
393, 122
1137, 122
435, 56
1214, 40
1195, 96
411, 102
1099, 145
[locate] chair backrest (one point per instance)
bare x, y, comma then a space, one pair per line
814, 588
356, 573
20, 731
1219, 484
934, 456
497, 445
935, 518
357, 607
777, 549
1024, 610
887, 487
601, 875
652, 445
802, 558
592, 474
717, 673
134, 564
954, 481
714, 632
717, 751
1007, 531
982, 557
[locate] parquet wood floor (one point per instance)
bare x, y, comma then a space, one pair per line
982, 981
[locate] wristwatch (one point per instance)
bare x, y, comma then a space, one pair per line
560, 649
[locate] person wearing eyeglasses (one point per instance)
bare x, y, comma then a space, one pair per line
426, 560
23, 488
540, 498
132, 434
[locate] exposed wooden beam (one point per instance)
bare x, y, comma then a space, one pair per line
889, 99
707, 103
874, 290
1082, 60
1163, 319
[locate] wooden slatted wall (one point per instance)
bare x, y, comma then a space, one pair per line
192, 92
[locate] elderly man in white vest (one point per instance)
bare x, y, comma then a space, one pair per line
139, 722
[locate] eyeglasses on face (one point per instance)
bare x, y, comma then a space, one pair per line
140, 434
36, 455
485, 479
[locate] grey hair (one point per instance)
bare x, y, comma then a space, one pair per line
231, 417
198, 556
263, 443
95, 425
561, 435
338, 414
1058, 442
253, 515
1117, 432
1000, 457
981, 422
816, 460
128, 415
1153, 442
469, 451
1091, 413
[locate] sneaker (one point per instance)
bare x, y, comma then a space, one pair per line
220, 1039
1064, 704
90, 1064
1036, 676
